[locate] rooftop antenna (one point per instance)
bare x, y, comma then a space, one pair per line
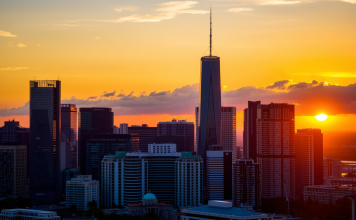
210, 32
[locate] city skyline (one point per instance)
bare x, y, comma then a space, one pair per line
304, 48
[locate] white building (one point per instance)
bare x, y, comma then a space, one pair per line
81, 190
327, 194
28, 214
162, 148
124, 128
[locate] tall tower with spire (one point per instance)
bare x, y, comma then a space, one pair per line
209, 119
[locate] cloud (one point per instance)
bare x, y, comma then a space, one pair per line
311, 98
340, 75
349, 1
280, 2
167, 10
14, 68
240, 9
96, 38
109, 94
21, 45
128, 8
6, 34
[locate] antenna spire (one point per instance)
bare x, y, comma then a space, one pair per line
210, 32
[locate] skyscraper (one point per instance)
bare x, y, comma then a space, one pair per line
145, 135
309, 159
69, 127
92, 121
45, 117
249, 133
209, 102
276, 150
228, 130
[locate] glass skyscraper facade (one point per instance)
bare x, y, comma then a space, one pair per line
69, 128
45, 117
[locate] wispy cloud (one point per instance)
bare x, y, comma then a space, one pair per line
6, 34
14, 68
21, 45
280, 2
340, 75
349, 1
167, 10
239, 9
127, 8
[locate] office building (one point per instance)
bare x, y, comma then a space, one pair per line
180, 128
126, 177
196, 129
13, 170
28, 214
100, 145
327, 194
189, 180
116, 130
332, 167
69, 128
124, 128
92, 121
66, 175
81, 190
276, 150
179, 141
228, 130
64, 153
145, 135
250, 132
220, 210
45, 133
246, 185
308, 159
219, 174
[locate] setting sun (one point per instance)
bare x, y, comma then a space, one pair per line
321, 117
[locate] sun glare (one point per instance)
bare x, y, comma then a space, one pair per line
321, 117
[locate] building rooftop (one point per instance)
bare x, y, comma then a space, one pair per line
149, 196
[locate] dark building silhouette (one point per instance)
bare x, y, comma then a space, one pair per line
145, 135
246, 183
45, 117
99, 145
308, 159
176, 128
13, 133
69, 128
66, 175
92, 121
180, 141
249, 133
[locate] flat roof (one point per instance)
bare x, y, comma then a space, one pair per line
232, 213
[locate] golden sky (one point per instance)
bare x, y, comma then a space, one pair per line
149, 47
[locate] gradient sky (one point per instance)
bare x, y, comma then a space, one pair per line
143, 57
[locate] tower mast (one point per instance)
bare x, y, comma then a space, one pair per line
210, 32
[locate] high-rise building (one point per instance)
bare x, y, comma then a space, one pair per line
228, 130
92, 121
45, 133
145, 135
13, 170
124, 128
209, 121
276, 150
66, 175
13, 133
196, 129
246, 185
250, 132
99, 145
69, 128
81, 190
179, 128
332, 167
189, 180
219, 174
309, 159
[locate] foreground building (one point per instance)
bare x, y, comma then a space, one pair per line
327, 194
81, 190
44, 150
13, 170
28, 214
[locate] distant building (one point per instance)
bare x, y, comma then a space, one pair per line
219, 174
179, 128
13, 170
228, 130
45, 136
327, 194
99, 145
220, 210
309, 159
246, 185
66, 175
250, 131
332, 167
12, 132
81, 190
179, 141
92, 121
145, 135
276, 150
69, 128
116, 130
124, 128
28, 214
64, 153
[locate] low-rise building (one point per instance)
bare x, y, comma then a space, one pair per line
327, 194
28, 214
81, 190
